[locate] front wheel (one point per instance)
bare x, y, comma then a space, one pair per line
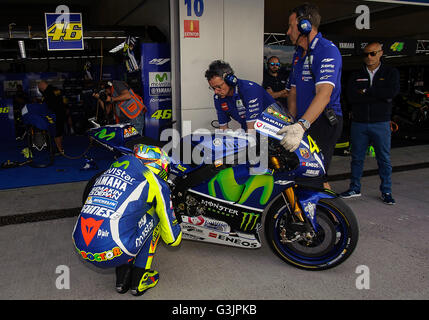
332, 244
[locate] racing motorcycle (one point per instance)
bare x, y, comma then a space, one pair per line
224, 200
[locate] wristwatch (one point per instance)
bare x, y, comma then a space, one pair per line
305, 124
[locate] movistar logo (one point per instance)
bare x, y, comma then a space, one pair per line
249, 217
118, 164
102, 135
161, 78
232, 191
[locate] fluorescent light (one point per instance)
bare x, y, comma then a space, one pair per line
21, 45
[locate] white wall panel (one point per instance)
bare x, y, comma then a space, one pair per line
231, 30
244, 38
195, 56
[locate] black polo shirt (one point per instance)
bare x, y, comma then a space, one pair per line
276, 83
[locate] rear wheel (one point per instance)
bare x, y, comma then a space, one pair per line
329, 246
89, 186
40, 148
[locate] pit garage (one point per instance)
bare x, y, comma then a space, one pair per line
162, 49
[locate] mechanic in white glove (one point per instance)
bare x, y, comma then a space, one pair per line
315, 86
295, 132
293, 136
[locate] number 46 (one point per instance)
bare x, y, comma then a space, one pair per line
162, 114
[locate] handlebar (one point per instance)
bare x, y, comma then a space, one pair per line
93, 122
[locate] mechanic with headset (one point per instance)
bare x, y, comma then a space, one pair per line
315, 86
127, 210
234, 98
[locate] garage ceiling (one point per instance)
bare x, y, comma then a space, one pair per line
108, 18
338, 16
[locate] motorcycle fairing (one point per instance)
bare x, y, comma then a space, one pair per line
236, 185
115, 136
308, 199
39, 116
240, 224
240, 217
309, 154
205, 148
310, 159
234, 239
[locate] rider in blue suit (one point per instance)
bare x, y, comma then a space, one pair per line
128, 209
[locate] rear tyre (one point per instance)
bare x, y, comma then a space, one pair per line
89, 186
40, 147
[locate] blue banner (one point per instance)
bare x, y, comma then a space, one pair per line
156, 79
7, 126
64, 31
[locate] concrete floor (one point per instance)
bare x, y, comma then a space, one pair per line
392, 247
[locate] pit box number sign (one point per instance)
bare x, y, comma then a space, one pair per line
64, 31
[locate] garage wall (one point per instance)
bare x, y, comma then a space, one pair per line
231, 30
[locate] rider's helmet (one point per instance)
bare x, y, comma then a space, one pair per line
154, 158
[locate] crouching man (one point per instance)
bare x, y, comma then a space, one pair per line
128, 209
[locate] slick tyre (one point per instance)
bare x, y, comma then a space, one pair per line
89, 185
335, 240
40, 147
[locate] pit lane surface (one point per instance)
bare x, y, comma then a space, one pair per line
392, 247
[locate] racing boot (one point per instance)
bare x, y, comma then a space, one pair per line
142, 280
123, 278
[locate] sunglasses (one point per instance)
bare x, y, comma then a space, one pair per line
275, 64
372, 53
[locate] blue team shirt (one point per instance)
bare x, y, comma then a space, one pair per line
245, 105
326, 65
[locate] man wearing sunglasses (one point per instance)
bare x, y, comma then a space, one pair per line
275, 81
370, 92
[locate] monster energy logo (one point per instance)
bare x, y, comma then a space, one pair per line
249, 217
163, 175
102, 134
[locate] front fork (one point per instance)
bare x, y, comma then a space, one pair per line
303, 202
290, 197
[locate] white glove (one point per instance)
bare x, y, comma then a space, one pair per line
293, 136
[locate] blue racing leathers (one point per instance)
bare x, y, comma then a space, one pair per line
128, 209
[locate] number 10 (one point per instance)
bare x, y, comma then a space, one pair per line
198, 7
